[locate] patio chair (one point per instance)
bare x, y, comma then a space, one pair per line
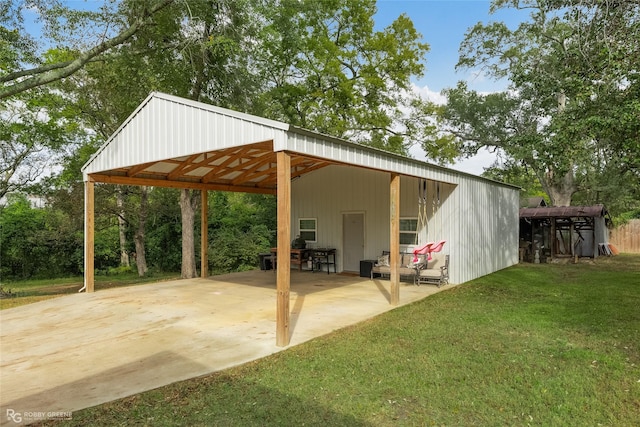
434, 271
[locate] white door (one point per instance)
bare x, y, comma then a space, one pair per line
352, 241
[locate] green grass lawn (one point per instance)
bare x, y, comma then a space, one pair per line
540, 345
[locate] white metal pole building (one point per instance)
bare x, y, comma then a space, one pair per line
320, 182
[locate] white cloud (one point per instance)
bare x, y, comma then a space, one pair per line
425, 93
476, 164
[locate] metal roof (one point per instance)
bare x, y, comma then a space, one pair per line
563, 212
175, 142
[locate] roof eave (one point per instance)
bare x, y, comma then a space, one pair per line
373, 150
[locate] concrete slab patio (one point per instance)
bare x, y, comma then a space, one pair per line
82, 350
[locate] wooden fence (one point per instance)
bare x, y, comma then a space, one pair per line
626, 238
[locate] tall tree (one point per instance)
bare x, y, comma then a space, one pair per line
122, 226
329, 70
216, 60
38, 124
188, 204
197, 50
140, 233
564, 64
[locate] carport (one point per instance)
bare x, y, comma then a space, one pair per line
173, 142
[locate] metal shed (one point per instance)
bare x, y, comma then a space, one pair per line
174, 142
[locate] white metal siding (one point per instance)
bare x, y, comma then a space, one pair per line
483, 224
353, 154
165, 127
169, 127
478, 220
327, 193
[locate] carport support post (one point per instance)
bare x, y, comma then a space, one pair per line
204, 238
283, 273
89, 230
394, 255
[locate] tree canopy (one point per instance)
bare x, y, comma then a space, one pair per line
60, 22
328, 70
571, 112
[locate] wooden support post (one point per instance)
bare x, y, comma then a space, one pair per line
204, 234
594, 246
533, 242
554, 240
574, 254
89, 236
283, 273
394, 256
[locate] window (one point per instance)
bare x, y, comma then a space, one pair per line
308, 228
408, 231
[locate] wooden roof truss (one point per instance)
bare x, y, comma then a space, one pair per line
248, 168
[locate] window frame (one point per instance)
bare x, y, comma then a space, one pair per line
314, 230
413, 233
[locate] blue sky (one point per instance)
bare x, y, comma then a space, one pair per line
443, 24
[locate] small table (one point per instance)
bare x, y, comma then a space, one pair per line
323, 256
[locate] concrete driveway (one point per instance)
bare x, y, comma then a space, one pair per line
82, 350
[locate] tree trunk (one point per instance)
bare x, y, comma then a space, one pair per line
141, 258
187, 209
559, 189
124, 256
189, 199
